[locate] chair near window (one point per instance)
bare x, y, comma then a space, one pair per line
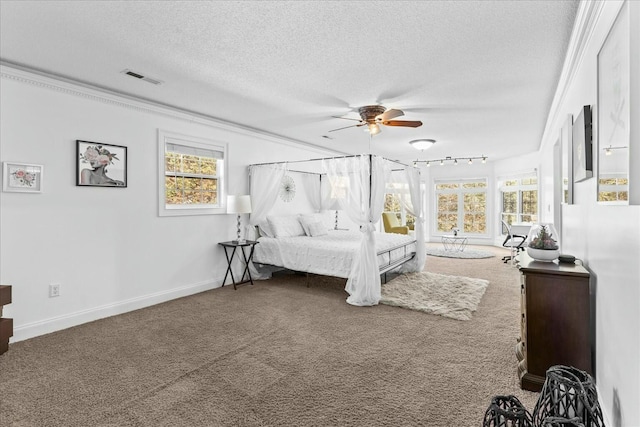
514, 242
392, 224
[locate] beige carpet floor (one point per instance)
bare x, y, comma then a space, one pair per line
275, 354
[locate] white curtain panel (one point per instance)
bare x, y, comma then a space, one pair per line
399, 183
311, 184
326, 202
365, 178
265, 185
417, 209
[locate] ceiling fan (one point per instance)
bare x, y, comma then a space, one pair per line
373, 116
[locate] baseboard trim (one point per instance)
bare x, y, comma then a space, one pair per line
53, 324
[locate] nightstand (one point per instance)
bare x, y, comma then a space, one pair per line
234, 245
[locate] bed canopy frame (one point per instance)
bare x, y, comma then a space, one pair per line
362, 181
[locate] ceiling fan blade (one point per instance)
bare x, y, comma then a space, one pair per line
407, 123
346, 127
346, 118
390, 114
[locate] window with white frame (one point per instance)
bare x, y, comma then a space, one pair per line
461, 204
191, 175
519, 199
613, 188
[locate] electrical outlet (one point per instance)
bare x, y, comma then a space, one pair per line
54, 290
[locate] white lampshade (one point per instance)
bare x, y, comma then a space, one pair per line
239, 204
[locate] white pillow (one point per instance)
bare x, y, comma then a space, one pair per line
285, 226
317, 229
265, 229
307, 219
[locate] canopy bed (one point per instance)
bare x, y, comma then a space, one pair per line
309, 242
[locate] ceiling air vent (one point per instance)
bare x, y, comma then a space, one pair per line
141, 77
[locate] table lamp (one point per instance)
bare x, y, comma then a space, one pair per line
239, 205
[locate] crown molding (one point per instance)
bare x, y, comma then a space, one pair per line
585, 23
68, 86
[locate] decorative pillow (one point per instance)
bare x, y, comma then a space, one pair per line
265, 229
317, 229
307, 219
285, 226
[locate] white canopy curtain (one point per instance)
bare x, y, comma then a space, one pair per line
264, 182
311, 183
416, 208
366, 176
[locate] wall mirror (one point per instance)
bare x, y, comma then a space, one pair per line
613, 114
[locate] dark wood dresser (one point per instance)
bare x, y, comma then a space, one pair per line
556, 319
6, 325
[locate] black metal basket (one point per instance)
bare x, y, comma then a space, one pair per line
506, 411
568, 398
562, 422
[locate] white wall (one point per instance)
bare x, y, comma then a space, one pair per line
107, 247
605, 237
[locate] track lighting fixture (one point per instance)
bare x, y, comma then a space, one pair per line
453, 160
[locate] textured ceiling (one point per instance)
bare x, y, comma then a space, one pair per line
480, 75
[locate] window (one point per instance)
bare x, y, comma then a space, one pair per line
192, 175
461, 204
519, 199
396, 200
613, 188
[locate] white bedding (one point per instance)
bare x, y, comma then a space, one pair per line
329, 255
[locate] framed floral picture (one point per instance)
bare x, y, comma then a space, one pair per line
100, 165
22, 177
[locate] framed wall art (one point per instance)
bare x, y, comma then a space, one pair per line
582, 145
100, 165
22, 177
614, 114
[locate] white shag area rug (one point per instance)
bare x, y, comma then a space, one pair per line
467, 253
456, 297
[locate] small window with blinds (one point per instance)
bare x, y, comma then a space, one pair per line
192, 175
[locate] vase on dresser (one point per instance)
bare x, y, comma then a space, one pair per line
543, 242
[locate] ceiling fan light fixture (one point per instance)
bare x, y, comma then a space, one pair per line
374, 129
422, 144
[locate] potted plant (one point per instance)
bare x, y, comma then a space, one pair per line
543, 243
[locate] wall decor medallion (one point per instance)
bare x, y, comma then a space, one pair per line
100, 165
287, 188
22, 177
